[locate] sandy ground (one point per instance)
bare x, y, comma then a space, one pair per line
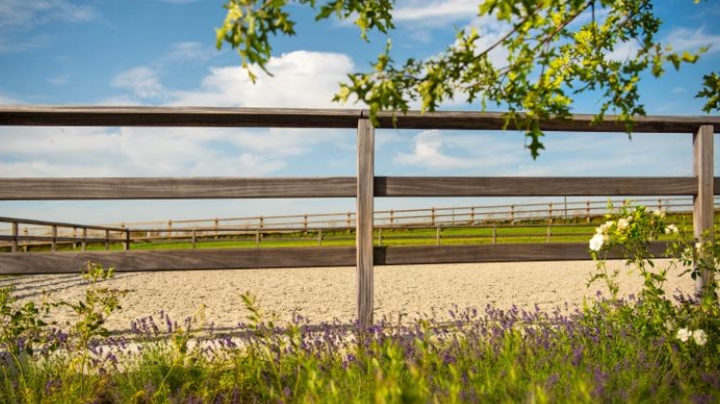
323, 294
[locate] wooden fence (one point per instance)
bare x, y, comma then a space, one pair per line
77, 234
365, 187
436, 217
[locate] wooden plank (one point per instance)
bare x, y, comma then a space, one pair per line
21, 115
177, 117
577, 123
177, 260
364, 222
491, 253
703, 201
173, 188
205, 259
59, 224
333, 187
539, 186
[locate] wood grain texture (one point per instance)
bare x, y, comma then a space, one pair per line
538, 186
577, 123
20, 115
177, 117
59, 224
187, 260
173, 188
703, 201
177, 260
332, 187
364, 222
491, 253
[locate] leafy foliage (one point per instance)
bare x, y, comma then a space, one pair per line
556, 49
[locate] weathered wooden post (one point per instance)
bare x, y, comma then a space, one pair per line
26, 233
494, 234
194, 239
107, 240
703, 208
128, 240
437, 236
319, 237
364, 221
472, 215
15, 231
83, 244
53, 245
587, 210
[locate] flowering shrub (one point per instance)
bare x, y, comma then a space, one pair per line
629, 231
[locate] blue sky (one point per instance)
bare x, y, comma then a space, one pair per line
162, 52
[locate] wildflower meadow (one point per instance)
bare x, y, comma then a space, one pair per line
651, 347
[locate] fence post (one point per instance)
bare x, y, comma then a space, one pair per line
319, 237
127, 241
14, 247
432, 216
494, 234
587, 210
437, 236
547, 240
512, 214
193, 239
26, 233
74, 244
364, 221
257, 238
217, 224
261, 222
305, 222
169, 233
703, 202
83, 244
392, 217
107, 240
347, 221
550, 212
53, 245
472, 215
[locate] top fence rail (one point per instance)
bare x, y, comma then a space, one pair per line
323, 118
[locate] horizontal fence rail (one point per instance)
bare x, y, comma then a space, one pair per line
365, 187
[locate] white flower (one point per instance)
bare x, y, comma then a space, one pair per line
622, 224
629, 218
669, 325
659, 213
700, 337
671, 229
684, 334
605, 227
596, 242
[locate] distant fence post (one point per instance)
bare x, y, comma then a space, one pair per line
107, 240
587, 210
703, 201
392, 217
14, 247
127, 239
217, 224
494, 234
26, 233
550, 212
169, 228
83, 244
432, 216
472, 215
437, 236
194, 240
53, 245
512, 214
364, 221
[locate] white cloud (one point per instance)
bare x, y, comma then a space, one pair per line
188, 52
300, 79
683, 39
139, 152
142, 81
59, 80
23, 14
432, 150
437, 12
